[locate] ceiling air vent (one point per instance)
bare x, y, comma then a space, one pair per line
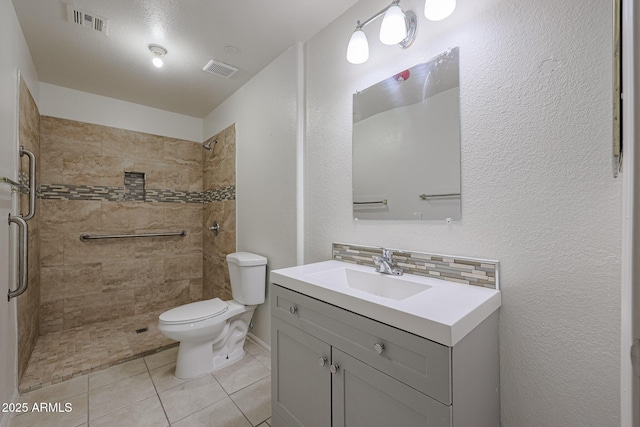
220, 69
87, 20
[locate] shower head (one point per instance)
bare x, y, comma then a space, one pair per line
207, 145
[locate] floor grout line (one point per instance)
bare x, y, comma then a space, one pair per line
147, 370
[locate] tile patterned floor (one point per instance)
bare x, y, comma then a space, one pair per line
143, 392
61, 356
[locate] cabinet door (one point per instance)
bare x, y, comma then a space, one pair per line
365, 397
301, 381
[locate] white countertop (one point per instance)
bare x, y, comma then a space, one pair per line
444, 313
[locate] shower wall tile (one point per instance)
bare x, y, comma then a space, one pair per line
183, 216
70, 215
69, 136
116, 142
183, 175
216, 247
28, 305
136, 273
51, 250
195, 289
51, 316
183, 267
94, 169
52, 170
154, 172
177, 151
147, 146
70, 281
83, 192
78, 252
169, 294
125, 217
94, 308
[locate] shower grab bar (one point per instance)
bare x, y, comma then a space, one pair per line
32, 183
381, 202
85, 237
21, 187
23, 258
435, 196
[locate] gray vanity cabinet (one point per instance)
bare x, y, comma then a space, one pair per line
301, 367
365, 397
335, 368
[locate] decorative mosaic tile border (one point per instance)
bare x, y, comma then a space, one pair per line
220, 194
81, 192
469, 271
171, 196
133, 190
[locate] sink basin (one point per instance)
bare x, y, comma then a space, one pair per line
394, 287
435, 309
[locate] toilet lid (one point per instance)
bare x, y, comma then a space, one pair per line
194, 312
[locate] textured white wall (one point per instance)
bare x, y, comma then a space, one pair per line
264, 111
537, 190
14, 58
65, 103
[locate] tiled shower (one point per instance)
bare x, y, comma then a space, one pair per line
92, 304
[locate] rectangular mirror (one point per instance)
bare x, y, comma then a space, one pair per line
406, 144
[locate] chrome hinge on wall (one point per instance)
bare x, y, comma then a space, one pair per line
635, 357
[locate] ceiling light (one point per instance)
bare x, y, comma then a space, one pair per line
158, 52
358, 49
437, 10
398, 27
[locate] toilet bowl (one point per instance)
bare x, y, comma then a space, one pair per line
212, 332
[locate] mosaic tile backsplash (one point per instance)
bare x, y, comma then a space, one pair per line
467, 271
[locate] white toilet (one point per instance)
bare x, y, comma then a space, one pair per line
212, 332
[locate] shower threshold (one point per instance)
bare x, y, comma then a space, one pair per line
63, 355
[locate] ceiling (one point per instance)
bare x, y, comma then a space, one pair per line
118, 64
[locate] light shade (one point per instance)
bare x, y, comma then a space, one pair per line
436, 10
157, 62
358, 49
394, 28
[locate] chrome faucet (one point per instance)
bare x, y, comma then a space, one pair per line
384, 263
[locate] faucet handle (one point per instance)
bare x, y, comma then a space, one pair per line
377, 261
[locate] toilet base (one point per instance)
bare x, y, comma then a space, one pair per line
224, 360
194, 359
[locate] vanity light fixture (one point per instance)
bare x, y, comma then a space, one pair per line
398, 27
158, 52
437, 10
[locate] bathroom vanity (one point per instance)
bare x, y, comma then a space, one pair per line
348, 355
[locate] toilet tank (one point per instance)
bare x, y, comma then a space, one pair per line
247, 272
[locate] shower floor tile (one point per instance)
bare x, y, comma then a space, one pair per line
60, 356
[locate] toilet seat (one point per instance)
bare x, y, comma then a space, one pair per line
194, 312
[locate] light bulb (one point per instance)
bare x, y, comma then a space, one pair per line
437, 10
394, 28
157, 62
358, 49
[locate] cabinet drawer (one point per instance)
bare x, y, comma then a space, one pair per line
415, 361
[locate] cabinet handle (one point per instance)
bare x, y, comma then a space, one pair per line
322, 361
293, 309
379, 348
334, 368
